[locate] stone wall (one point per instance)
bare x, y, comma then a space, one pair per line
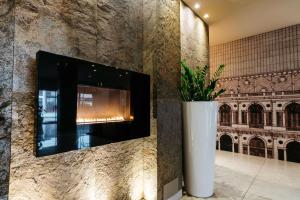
150, 143
167, 80
103, 31
139, 35
6, 67
194, 38
274, 51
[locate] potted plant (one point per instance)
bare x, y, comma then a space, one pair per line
200, 127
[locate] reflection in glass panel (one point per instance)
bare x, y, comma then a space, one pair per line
47, 118
83, 139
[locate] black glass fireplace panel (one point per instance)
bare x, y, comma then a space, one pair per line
47, 120
83, 104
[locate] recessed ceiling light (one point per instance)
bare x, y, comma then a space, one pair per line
197, 5
206, 16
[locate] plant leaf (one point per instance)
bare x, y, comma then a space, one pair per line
196, 84
221, 91
218, 72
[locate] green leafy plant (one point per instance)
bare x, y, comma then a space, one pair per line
196, 85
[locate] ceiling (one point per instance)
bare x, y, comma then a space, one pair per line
230, 20
217, 9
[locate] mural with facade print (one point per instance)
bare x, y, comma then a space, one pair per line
260, 112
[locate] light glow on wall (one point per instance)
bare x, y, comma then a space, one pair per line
136, 188
91, 192
150, 188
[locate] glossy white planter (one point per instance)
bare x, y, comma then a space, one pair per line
200, 130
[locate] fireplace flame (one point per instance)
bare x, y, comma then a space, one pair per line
103, 120
102, 105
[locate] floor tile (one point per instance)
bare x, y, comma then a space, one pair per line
243, 177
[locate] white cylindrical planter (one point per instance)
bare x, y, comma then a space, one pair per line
200, 131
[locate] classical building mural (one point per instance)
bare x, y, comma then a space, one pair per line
260, 112
260, 115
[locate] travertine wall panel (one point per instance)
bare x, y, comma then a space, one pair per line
138, 35
194, 38
113, 171
6, 68
104, 31
120, 33
167, 79
150, 143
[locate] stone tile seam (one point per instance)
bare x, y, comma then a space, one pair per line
12, 91
253, 180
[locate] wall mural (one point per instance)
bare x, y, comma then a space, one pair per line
260, 113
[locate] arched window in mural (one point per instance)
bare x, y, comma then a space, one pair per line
256, 116
293, 152
226, 143
292, 113
225, 115
257, 147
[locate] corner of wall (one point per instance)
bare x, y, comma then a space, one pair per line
6, 64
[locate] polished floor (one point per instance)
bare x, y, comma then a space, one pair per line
243, 177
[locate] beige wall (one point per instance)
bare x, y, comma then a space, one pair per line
194, 38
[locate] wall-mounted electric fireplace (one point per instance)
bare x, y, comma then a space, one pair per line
83, 104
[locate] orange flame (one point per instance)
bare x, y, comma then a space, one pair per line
103, 120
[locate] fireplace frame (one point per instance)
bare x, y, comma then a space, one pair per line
61, 75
